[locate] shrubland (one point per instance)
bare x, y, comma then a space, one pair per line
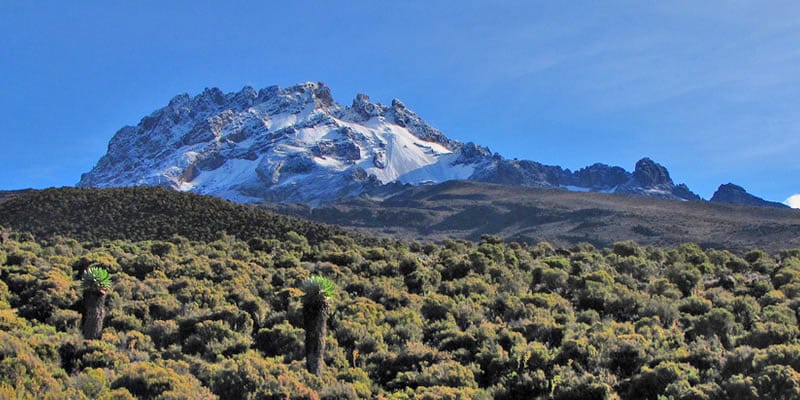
223, 318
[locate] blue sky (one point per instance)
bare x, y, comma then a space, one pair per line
709, 89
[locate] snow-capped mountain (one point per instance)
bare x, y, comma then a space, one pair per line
299, 145
295, 144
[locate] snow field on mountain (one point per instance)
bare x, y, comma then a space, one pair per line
404, 152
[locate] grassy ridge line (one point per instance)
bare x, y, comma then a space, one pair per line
146, 213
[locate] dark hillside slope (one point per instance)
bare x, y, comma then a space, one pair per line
460, 209
6, 195
146, 213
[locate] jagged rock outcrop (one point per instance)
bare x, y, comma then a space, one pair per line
650, 178
734, 194
522, 173
650, 173
601, 177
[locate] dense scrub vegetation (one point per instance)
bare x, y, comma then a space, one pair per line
145, 213
223, 318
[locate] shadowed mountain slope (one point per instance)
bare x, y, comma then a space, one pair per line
461, 209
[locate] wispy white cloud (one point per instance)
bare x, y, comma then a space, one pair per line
793, 201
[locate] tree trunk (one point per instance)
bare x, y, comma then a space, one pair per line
314, 321
93, 315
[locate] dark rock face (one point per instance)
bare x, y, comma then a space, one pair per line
323, 95
648, 179
211, 163
734, 194
363, 106
379, 159
299, 163
472, 153
683, 192
343, 149
650, 173
405, 117
601, 177
523, 173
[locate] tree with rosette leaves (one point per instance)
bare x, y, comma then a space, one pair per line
96, 283
317, 292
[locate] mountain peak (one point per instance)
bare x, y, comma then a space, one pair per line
317, 93
651, 173
364, 107
730, 193
397, 104
179, 100
295, 144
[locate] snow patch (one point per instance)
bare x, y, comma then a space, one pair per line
576, 188
229, 174
440, 171
585, 189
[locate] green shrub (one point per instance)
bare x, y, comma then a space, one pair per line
249, 376
150, 380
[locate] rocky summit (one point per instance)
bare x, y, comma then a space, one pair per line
735, 194
298, 145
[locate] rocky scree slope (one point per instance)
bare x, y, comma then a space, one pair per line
298, 145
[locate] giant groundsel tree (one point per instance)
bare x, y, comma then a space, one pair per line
96, 283
317, 292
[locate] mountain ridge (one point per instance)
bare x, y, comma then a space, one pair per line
730, 193
429, 213
298, 145
469, 209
